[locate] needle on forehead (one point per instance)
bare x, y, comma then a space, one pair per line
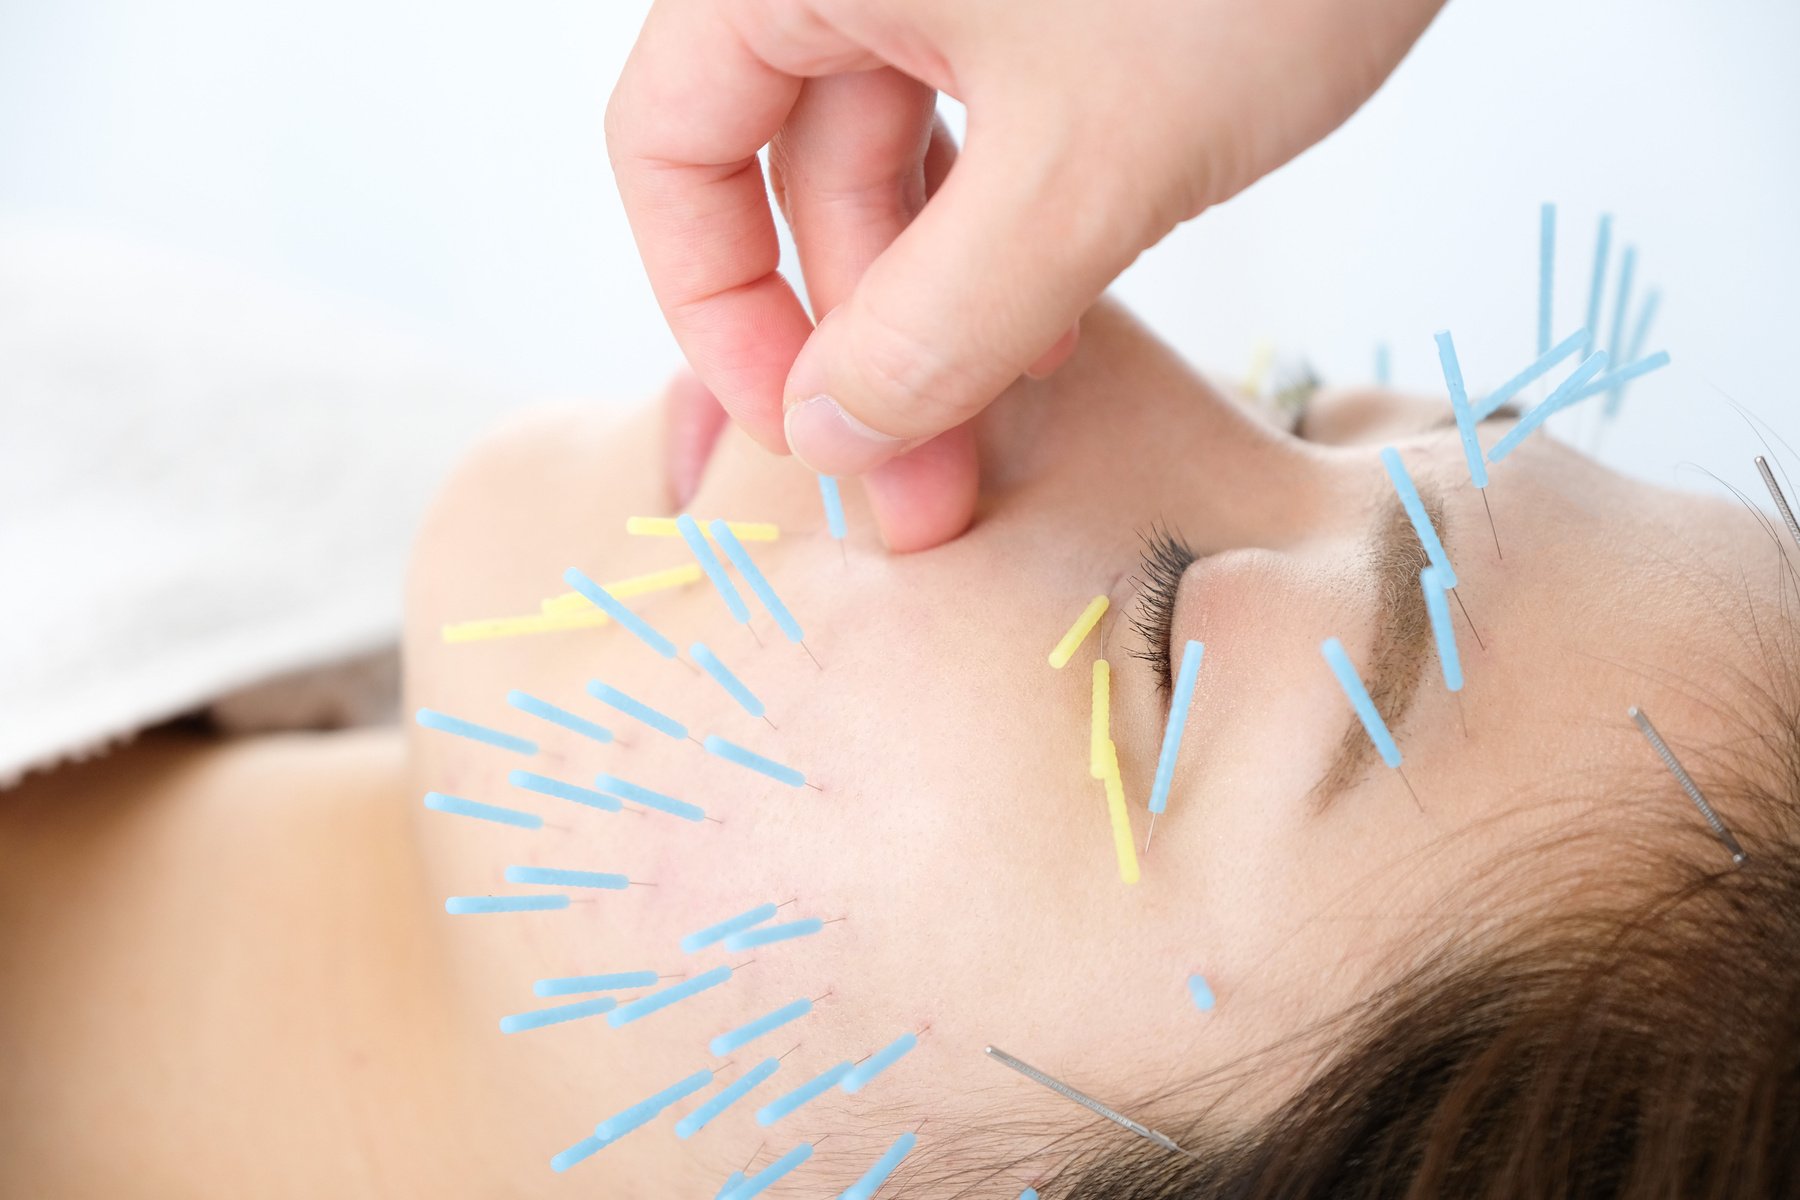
1776, 494
1602, 249
1410, 500
1546, 272
1431, 583
1082, 1098
1687, 783
1466, 426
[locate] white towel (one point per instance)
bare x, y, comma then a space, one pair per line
205, 481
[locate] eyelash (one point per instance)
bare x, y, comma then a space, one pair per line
1166, 558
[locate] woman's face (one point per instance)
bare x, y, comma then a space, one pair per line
959, 844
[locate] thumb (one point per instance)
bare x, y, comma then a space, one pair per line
990, 275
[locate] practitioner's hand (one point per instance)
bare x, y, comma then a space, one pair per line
1095, 126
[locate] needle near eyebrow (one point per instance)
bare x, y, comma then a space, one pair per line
1491, 529
1466, 426
1466, 617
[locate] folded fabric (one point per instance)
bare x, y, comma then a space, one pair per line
205, 481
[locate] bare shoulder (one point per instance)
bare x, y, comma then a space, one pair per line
202, 944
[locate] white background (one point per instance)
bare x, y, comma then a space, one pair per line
442, 162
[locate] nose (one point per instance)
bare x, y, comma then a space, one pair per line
1128, 432
1349, 416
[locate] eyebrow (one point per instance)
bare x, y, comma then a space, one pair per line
1402, 637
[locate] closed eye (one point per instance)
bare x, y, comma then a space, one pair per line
1166, 558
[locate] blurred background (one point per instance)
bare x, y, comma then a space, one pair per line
265, 269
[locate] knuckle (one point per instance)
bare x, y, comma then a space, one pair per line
919, 388
612, 124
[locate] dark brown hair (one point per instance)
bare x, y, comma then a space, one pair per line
1648, 1049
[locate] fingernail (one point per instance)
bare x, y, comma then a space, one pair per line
832, 442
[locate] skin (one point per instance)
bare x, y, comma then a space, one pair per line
928, 299
225, 966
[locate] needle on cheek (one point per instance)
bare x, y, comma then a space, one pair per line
760, 586
644, 1111
559, 877
546, 711
1100, 719
575, 985
1119, 817
715, 571
752, 761
703, 1116
624, 589
607, 603
1071, 641
805, 1094
668, 527
544, 785
726, 679
766, 1178
430, 718
460, 905
613, 697
834, 512
712, 934
768, 935
744, 1034
865, 1073
656, 1001
556, 1014
624, 789
456, 806
1179, 704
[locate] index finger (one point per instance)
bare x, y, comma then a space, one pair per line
692, 108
